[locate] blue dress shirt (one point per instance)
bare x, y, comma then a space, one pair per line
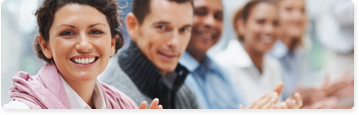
291, 63
211, 84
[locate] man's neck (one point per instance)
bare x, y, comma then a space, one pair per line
197, 55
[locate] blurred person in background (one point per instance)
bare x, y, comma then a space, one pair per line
336, 33
256, 26
209, 81
149, 68
76, 50
289, 50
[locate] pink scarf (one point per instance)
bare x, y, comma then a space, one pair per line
45, 91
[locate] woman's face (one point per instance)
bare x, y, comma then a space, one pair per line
260, 29
80, 42
292, 15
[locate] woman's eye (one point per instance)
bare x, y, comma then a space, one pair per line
67, 33
96, 32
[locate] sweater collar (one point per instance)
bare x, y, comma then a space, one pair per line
147, 77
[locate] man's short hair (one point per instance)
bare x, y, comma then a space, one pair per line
141, 8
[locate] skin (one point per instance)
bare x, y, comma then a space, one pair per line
164, 34
74, 35
207, 27
208, 21
293, 17
259, 31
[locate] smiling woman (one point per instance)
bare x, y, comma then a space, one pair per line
76, 39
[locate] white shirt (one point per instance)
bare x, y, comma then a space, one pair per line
245, 74
74, 99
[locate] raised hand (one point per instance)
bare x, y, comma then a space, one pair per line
154, 104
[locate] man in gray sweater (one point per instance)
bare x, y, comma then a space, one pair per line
149, 68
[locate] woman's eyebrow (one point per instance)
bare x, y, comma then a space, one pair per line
97, 24
65, 25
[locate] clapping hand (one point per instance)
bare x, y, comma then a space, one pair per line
154, 104
268, 100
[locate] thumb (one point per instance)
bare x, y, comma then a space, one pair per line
143, 105
279, 88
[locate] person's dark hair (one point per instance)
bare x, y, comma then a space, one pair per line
141, 8
243, 13
46, 12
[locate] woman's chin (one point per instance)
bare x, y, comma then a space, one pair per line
85, 77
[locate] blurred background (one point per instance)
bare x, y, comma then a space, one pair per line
329, 46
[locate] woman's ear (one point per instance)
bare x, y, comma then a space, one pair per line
240, 27
113, 45
46, 50
132, 26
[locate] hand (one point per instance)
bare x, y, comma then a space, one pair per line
154, 104
311, 95
345, 84
328, 103
268, 100
265, 102
291, 103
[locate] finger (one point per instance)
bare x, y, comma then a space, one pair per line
154, 103
278, 106
143, 105
284, 106
254, 103
279, 88
335, 87
267, 100
160, 107
267, 105
291, 104
298, 99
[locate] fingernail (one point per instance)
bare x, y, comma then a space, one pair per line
155, 99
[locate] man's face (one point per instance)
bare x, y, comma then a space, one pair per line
165, 32
207, 25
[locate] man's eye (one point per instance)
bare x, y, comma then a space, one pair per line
66, 33
96, 32
161, 27
184, 30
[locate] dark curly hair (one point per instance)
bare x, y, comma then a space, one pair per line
45, 16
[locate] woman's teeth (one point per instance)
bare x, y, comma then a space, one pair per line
83, 60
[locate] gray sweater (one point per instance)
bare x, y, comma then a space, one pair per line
133, 74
